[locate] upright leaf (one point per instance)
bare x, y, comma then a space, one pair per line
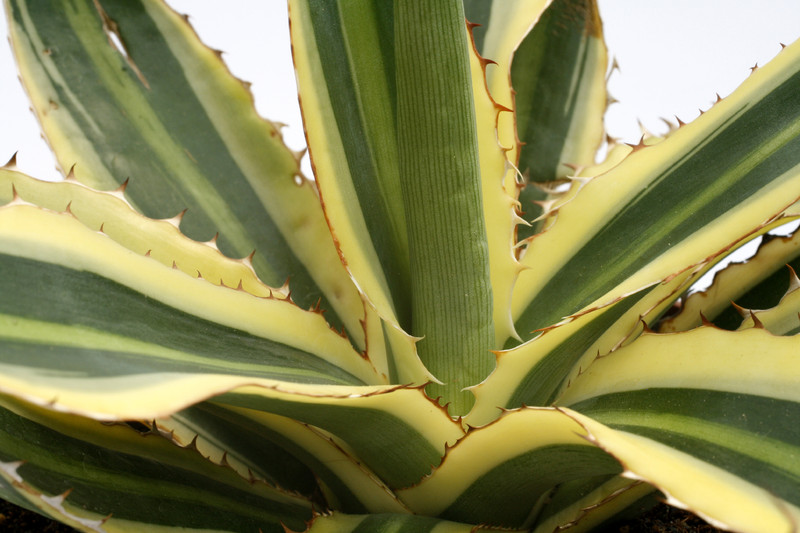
344, 55
438, 153
558, 75
503, 26
345, 69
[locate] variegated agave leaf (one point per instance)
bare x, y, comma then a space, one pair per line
397, 354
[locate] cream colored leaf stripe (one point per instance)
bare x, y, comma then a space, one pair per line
110, 478
287, 453
189, 138
387, 523
398, 433
727, 399
758, 283
345, 68
162, 240
527, 453
670, 205
558, 74
63, 278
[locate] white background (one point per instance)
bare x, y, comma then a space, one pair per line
674, 56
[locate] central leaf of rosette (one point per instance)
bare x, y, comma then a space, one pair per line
451, 296
387, 98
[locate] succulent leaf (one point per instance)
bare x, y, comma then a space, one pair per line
78, 470
501, 455
97, 301
559, 78
438, 150
733, 169
640, 404
345, 77
237, 179
756, 283
283, 452
379, 523
424, 368
783, 318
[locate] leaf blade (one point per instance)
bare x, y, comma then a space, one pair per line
438, 150
740, 439
635, 238
235, 177
81, 471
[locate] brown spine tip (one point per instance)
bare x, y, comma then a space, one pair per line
639, 146
794, 281
71, 174
176, 220
12, 163
614, 68
212, 243
744, 313
299, 154
317, 307
756, 322
224, 460
248, 261
123, 186
670, 126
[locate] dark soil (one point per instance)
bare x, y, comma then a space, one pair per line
660, 519
17, 519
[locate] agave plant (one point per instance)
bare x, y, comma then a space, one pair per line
461, 323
